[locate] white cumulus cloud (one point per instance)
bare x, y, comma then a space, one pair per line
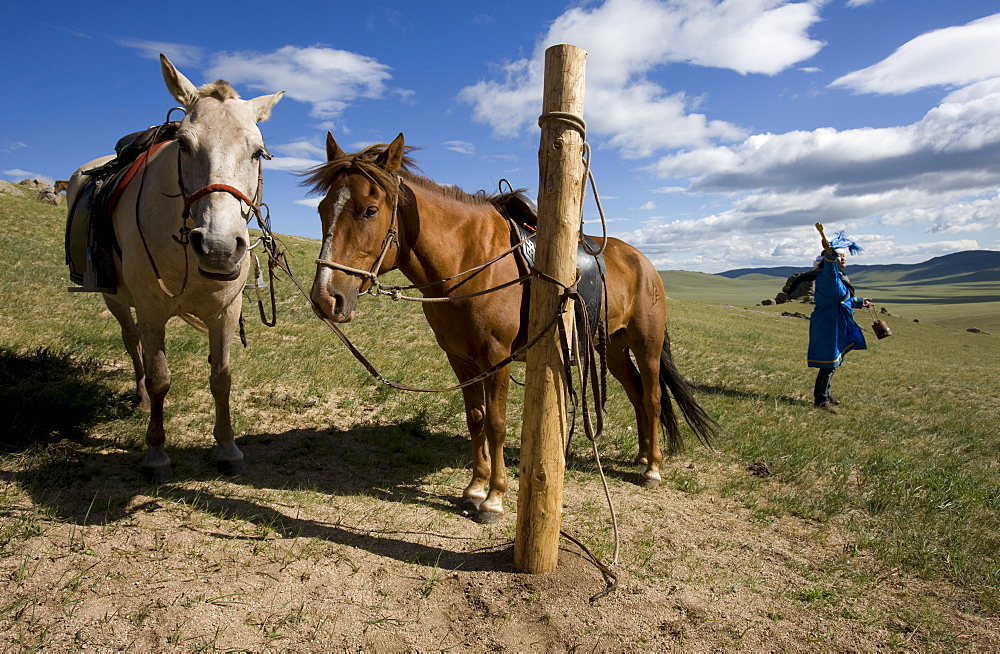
627, 39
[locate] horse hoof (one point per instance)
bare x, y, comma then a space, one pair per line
157, 474
232, 468
485, 517
468, 503
650, 482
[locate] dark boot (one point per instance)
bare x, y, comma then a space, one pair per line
821, 391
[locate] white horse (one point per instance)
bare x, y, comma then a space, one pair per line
181, 225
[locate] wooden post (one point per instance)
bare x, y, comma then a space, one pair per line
543, 429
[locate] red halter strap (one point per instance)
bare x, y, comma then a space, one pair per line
216, 188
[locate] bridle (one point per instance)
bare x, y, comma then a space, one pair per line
190, 199
391, 238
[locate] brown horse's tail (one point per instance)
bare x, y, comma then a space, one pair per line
700, 422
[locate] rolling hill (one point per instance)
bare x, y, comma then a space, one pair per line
959, 291
960, 267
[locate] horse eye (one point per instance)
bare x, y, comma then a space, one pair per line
183, 145
371, 211
262, 153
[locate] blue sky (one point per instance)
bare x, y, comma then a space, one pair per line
721, 130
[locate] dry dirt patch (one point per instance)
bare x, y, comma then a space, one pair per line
315, 550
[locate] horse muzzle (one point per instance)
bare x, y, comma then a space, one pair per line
219, 257
333, 303
332, 308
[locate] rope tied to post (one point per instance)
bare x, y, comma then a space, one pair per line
566, 118
577, 123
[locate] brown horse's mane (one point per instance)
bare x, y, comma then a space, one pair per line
322, 177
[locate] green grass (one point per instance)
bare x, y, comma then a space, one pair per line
911, 458
909, 468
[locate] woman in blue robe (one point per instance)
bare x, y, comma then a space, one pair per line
832, 330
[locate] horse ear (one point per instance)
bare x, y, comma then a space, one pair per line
392, 158
333, 150
180, 87
262, 105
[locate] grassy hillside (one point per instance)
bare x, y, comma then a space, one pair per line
744, 291
876, 528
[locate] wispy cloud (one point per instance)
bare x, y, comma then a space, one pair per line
461, 147
18, 174
10, 146
181, 55
292, 164
306, 149
324, 77
954, 56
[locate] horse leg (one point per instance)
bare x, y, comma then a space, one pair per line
643, 391
220, 334
486, 416
156, 463
491, 510
130, 336
475, 417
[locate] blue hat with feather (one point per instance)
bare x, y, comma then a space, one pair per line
841, 242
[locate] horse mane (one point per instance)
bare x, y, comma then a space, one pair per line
322, 177
220, 89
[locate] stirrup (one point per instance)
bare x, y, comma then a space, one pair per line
259, 281
90, 284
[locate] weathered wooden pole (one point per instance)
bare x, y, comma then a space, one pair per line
543, 429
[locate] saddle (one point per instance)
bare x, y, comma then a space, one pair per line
90, 237
522, 216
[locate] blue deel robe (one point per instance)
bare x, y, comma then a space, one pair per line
832, 330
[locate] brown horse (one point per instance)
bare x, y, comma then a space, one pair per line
377, 215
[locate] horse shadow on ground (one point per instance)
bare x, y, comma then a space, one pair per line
49, 396
84, 482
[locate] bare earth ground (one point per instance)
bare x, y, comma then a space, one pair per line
324, 547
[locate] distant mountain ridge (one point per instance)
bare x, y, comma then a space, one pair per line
959, 267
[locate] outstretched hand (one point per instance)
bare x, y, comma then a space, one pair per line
868, 303
826, 244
